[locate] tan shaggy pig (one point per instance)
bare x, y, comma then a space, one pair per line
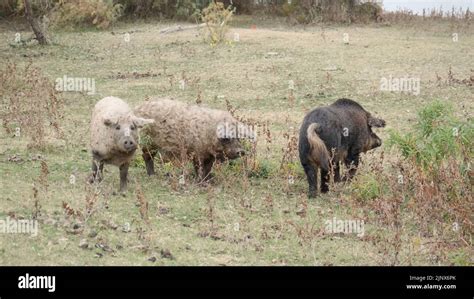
190, 131
114, 137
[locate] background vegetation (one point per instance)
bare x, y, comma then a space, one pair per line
414, 194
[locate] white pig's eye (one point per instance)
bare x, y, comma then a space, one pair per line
132, 127
117, 128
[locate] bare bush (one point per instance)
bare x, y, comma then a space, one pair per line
216, 17
30, 104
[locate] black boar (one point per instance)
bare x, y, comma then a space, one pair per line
333, 134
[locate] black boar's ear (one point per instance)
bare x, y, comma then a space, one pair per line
140, 122
375, 122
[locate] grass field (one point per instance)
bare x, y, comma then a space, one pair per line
237, 220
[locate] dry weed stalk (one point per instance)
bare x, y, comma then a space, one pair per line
143, 203
30, 103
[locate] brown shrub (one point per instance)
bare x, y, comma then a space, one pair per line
404, 196
30, 103
98, 13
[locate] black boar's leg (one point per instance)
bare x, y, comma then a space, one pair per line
312, 176
123, 176
148, 158
351, 162
324, 181
337, 173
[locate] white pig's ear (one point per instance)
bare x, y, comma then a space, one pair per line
110, 121
140, 122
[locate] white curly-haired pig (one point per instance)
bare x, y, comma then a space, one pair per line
114, 137
204, 134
